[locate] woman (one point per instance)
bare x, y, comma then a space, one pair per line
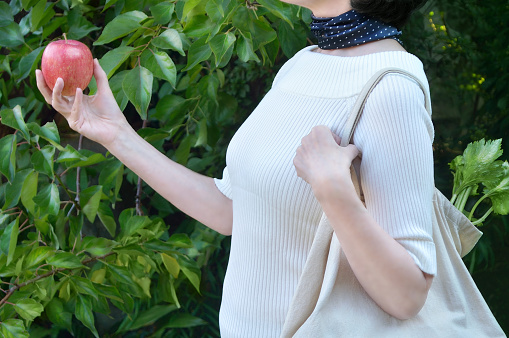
284, 166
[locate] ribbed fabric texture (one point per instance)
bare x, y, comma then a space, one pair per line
275, 213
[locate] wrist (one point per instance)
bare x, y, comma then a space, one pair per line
123, 134
335, 189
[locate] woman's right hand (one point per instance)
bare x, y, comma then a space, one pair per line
97, 117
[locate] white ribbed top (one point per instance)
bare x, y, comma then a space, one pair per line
275, 213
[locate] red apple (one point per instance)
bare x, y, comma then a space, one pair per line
72, 61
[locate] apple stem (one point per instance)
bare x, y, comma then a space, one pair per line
65, 37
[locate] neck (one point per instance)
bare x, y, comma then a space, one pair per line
330, 10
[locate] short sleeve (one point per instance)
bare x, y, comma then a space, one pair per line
395, 136
224, 184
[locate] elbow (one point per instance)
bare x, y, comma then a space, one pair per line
408, 306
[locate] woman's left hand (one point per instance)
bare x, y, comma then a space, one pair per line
322, 163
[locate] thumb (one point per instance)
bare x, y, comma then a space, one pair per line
100, 77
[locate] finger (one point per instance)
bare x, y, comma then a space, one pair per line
352, 151
43, 87
101, 78
60, 103
336, 138
76, 108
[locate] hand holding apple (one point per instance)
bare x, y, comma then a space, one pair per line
70, 60
96, 117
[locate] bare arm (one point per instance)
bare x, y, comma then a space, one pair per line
383, 267
99, 118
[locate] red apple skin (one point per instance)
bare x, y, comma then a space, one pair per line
72, 61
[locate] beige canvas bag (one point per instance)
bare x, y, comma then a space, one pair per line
330, 302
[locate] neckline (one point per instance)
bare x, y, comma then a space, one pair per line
313, 48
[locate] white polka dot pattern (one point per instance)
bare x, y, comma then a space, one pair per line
350, 29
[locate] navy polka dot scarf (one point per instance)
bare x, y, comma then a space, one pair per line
350, 29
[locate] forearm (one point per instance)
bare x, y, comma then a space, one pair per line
383, 267
193, 193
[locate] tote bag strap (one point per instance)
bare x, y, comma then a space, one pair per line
356, 112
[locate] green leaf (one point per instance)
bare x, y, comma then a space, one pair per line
198, 52
183, 320
133, 224
64, 260
10, 35
84, 313
199, 26
8, 156
43, 160
161, 65
191, 272
91, 160
162, 12
181, 241
58, 315
279, 9
49, 132
115, 58
28, 308
169, 39
69, 154
14, 119
184, 149
37, 255
292, 39
84, 286
137, 86
79, 26
48, 199
188, 7
259, 28
89, 200
13, 328
498, 191
29, 190
9, 239
245, 48
97, 246
150, 316
116, 88
106, 217
120, 274
120, 26
13, 191
41, 14
6, 16
171, 264
220, 45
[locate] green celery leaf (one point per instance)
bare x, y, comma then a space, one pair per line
498, 191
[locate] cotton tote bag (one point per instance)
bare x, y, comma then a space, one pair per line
330, 302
